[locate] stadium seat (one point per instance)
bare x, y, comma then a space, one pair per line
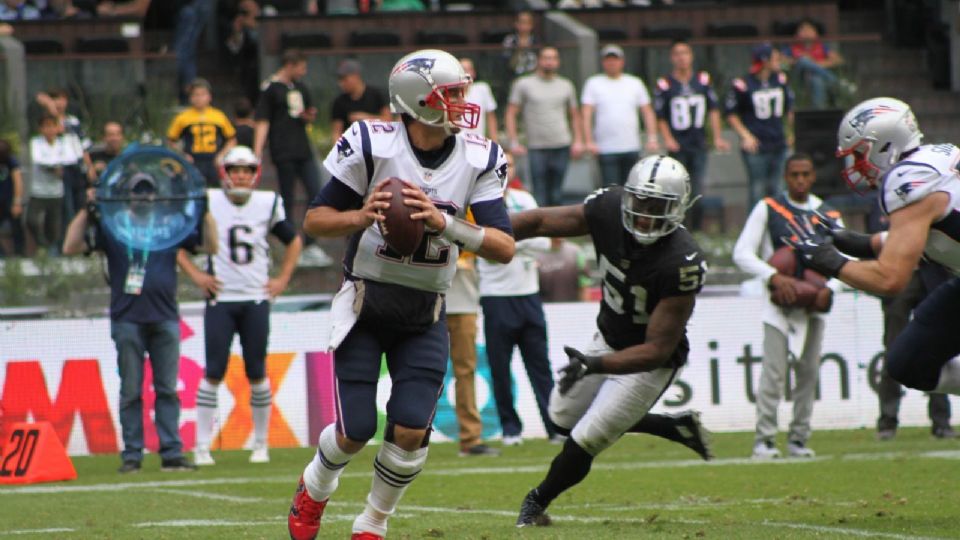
374, 38
666, 31
789, 27
102, 45
441, 37
494, 36
732, 29
607, 35
42, 46
305, 40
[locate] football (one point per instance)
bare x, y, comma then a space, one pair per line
809, 289
401, 233
784, 260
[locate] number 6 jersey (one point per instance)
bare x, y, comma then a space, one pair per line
637, 277
473, 171
242, 261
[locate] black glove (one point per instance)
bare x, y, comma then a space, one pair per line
820, 256
579, 367
850, 242
93, 212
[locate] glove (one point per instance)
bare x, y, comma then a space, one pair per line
820, 256
850, 242
93, 212
579, 367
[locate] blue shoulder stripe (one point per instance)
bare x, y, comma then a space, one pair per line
367, 150
491, 159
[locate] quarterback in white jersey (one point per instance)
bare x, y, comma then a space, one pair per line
919, 188
390, 304
239, 288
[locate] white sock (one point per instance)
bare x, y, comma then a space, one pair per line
260, 403
949, 378
322, 475
394, 470
206, 411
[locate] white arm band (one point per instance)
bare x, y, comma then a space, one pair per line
466, 235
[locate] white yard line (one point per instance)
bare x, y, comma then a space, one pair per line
208, 495
845, 530
460, 471
35, 531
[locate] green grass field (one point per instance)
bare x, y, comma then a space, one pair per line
640, 488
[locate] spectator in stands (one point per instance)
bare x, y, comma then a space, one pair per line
613, 98
479, 92
788, 330
56, 102
203, 132
463, 303
682, 100
243, 43
756, 107
18, 10
11, 197
546, 99
50, 152
106, 150
520, 47
284, 111
513, 317
75, 175
143, 320
191, 18
813, 62
357, 100
563, 272
896, 315
243, 122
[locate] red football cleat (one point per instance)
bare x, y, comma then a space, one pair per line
365, 536
303, 523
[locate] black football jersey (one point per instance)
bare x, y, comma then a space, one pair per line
635, 276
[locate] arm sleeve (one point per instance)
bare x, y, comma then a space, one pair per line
747, 249
229, 131
713, 101
643, 95
264, 111
588, 96
351, 160
731, 104
492, 213
284, 231
660, 101
572, 95
491, 102
493, 180
336, 194
277, 213
176, 128
337, 112
516, 93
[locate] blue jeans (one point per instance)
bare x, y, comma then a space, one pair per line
818, 79
162, 341
695, 161
186, 33
548, 167
765, 172
614, 168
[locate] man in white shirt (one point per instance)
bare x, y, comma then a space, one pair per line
239, 289
50, 152
479, 92
513, 317
612, 99
796, 331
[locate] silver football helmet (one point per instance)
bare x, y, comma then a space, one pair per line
656, 196
239, 156
430, 86
871, 138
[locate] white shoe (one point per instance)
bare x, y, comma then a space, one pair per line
765, 450
512, 440
202, 457
314, 256
260, 454
800, 450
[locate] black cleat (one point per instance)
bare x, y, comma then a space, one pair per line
695, 436
531, 513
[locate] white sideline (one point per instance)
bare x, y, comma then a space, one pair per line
36, 531
460, 471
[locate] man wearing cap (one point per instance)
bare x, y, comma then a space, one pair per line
611, 128
143, 320
358, 101
756, 106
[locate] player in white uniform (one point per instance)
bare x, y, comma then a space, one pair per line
919, 188
239, 288
392, 304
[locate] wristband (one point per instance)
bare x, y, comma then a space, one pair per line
854, 244
466, 235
